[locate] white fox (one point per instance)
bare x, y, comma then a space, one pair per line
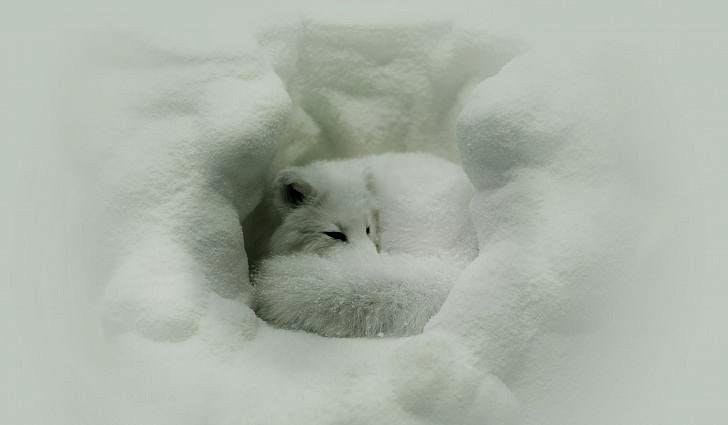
316, 265
410, 203
322, 208
315, 209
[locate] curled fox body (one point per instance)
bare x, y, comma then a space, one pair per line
360, 247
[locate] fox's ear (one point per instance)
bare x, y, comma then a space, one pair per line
290, 190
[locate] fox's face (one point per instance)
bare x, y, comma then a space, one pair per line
321, 213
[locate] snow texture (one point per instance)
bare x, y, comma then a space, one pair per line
184, 133
204, 133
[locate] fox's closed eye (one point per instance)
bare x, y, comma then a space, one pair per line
368, 230
336, 235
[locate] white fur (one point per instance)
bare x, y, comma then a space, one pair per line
415, 203
349, 294
332, 201
416, 206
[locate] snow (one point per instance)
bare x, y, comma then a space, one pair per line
597, 160
178, 241
365, 89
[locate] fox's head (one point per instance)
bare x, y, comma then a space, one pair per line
323, 209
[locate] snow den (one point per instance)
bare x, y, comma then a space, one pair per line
496, 168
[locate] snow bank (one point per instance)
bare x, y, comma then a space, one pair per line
380, 87
176, 137
536, 145
199, 135
554, 209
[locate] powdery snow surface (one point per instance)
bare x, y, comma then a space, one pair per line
193, 138
179, 144
198, 136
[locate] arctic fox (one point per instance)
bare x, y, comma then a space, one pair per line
410, 203
316, 264
316, 209
322, 209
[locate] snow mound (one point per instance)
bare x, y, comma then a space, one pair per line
194, 136
554, 203
367, 89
